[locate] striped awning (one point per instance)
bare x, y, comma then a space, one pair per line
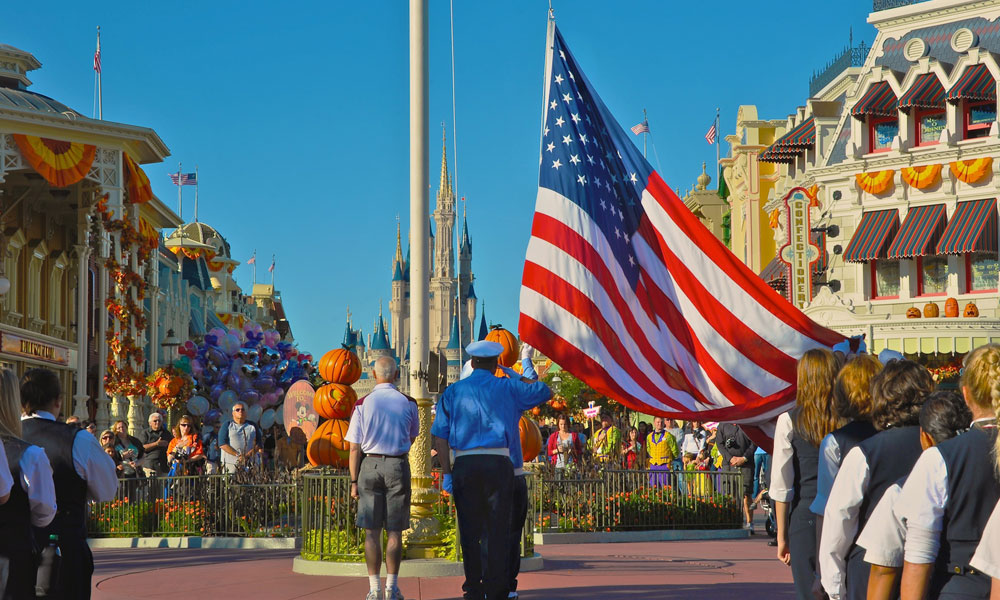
919, 232
792, 144
973, 228
196, 326
871, 239
976, 83
818, 238
775, 274
880, 100
926, 92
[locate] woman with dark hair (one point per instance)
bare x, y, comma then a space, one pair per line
898, 391
948, 498
943, 416
129, 448
793, 469
563, 446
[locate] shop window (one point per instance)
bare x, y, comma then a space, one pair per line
928, 126
881, 132
981, 272
885, 279
979, 117
932, 275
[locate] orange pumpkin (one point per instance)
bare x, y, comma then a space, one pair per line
509, 342
931, 310
340, 366
327, 445
531, 438
913, 313
335, 401
536, 411
951, 307
170, 386
971, 310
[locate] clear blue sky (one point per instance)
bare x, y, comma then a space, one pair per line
296, 114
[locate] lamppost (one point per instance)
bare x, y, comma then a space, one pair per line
168, 344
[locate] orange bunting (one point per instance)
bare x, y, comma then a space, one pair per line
921, 177
773, 218
136, 181
971, 171
148, 232
875, 183
193, 253
60, 163
216, 265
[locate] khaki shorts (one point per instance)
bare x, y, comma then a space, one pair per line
384, 493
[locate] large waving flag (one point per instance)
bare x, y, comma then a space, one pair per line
627, 290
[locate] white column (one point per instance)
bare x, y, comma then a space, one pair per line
103, 415
82, 321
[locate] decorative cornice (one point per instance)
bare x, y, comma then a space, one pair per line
128, 133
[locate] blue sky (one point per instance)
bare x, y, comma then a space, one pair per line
296, 114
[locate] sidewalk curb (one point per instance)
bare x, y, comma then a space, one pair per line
221, 543
664, 535
435, 567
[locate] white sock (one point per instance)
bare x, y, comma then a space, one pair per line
390, 581
373, 583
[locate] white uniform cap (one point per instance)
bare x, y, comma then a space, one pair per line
484, 349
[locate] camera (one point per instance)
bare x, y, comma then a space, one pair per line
730, 443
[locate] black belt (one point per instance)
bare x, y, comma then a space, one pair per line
957, 569
387, 455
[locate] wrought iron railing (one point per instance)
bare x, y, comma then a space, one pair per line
623, 500
878, 5
847, 58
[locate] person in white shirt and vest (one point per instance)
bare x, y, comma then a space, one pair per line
949, 495
81, 471
239, 440
382, 429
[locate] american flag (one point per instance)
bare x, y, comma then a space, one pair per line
626, 289
97, 56
710, 136
184, 178
271, 268
641, 128
253, 259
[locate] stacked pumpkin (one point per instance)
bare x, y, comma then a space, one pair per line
334, 402
531, 436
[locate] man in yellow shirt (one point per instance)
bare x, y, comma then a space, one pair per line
662, 450
607, 442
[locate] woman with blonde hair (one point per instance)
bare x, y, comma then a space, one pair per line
797, 438
948, 498
32, 499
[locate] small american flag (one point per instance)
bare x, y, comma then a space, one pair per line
253, 259
710, 136
97, 56
641, 128
624, 288
184, 178
271, 268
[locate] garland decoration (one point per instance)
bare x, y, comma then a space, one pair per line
921, 177
971, 171
169, 387
876, 182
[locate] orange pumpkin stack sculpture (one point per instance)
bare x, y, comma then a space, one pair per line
531, 439
509, 342
335, 402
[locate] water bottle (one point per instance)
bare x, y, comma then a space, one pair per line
48, 568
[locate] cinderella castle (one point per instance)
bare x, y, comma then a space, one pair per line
452, 297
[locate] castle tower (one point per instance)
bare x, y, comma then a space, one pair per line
467, 293
484, 329
379, 345
399, 304
453, 352
443, 284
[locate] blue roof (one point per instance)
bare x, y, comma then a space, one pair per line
406, 264
938, 40
23, 99
380, 340
466, 243
483, 329
397, 272
196, 326
195, 272
453, 342
350, 336
472, 292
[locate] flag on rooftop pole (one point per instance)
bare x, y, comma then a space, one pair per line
627, 290
179, 178
271, 270
253, 261
641, 128
712, 132
97, 71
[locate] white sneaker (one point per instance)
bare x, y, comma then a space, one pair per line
373, 595
394, 594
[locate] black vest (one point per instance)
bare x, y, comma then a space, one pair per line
891, 455
805, 461
973, 491
71, 489
851, 435
15, 514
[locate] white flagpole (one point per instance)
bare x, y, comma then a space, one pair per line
272, 273
100, 98
196, 193
718, 138
254, 268
180, 198
645, 134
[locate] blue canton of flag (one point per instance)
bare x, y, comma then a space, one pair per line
184, 178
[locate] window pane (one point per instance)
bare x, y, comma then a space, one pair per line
931, 127
983, 271
887, 278
884, 134
935, 274
982, 115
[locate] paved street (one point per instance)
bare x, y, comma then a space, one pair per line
743, 569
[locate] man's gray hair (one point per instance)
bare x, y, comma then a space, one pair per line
154, 414
384, 368
240, 403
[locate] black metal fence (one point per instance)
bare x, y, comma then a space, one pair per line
847, 58
619, 500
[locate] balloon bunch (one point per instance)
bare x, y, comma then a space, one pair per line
251, 365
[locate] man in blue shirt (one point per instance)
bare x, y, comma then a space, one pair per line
477, 417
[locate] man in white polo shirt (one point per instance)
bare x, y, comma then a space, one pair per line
383, 426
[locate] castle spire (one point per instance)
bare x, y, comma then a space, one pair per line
445, 178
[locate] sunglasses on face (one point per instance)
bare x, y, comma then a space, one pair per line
185, 424
237, 410
105, 437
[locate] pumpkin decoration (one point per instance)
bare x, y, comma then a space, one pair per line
340, 366
971, 310
531, 438
951, 307
931, 310
327, 445
509, 342
536, 411
335, 401
913, 313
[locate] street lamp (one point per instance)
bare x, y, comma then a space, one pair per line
168, 344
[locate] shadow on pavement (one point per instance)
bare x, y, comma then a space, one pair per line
740, 591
